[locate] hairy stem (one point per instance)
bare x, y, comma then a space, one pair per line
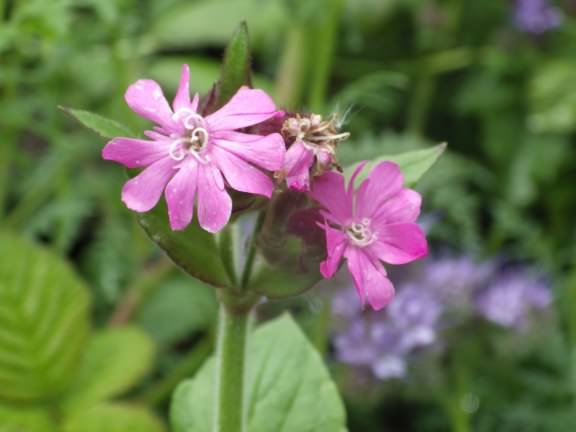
230, 362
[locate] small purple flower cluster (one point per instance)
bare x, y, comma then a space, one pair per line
536, 16
382, 341
446, 293
510, 300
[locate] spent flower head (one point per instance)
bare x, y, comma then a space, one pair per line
312, 151
194, 158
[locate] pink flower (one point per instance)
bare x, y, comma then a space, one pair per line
374, 223
193, 158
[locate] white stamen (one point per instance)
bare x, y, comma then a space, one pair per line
340, 136
181, 112
194, 121
176, 150
360, 233
195, 139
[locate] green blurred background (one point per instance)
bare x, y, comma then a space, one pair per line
498, 86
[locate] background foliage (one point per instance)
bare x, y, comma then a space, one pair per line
95, 313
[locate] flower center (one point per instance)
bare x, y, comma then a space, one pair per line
194, 140
360, 233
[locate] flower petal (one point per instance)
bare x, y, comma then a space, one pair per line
335, 247
240, 175
134, 153
246, 108
155, 135
369, 278
297, 165
142, 192
384, 181
214, 203
400, 243
330, 192
182, 98
264, 151
195, 102
351, 183
180, 193
404, 207
145, 98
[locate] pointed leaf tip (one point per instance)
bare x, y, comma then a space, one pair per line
413, 164
236, 66
103, 126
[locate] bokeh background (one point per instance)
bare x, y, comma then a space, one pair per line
482, 336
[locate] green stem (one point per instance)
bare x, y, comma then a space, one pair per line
149, 280
290, 81
459, 421
325, 33
458, 415
186, 367
230, 361
567, 309
420, 103
322, 327
6, 157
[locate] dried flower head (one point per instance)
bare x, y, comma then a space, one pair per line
313, 148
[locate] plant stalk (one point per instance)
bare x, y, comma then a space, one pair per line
230, 362
187, 367
324, 33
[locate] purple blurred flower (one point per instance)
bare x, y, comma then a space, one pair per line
512, 297
381, 342
415, 314
455, 279
536, 16
447, 293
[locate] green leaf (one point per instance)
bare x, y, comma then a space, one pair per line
113, 418
196, 27
103, 126
114, 362
413, 164
236, 66
276, 282
552, 98
177, 309
193, 249
43, 321
289, 387
21, 419
108, 263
